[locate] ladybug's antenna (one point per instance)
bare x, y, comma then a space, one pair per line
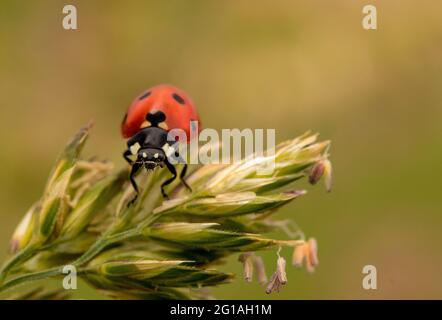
156, 118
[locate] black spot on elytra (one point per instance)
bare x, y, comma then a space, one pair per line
178, 98
144, 95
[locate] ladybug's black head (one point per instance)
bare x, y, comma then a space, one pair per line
151, 158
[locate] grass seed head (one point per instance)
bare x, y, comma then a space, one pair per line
156, 249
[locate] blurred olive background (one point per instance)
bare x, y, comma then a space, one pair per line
289, 65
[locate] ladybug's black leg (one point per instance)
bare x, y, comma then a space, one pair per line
135, 167
126, 155
182, 175
183, 172
169, 181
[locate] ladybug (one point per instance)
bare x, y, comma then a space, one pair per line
146, 125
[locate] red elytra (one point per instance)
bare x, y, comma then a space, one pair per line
175, 103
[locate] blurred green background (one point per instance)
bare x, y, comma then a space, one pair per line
289, 65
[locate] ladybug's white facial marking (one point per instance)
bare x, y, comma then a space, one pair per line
164, 126
145, 124
156, 155
144, 155
134, 148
